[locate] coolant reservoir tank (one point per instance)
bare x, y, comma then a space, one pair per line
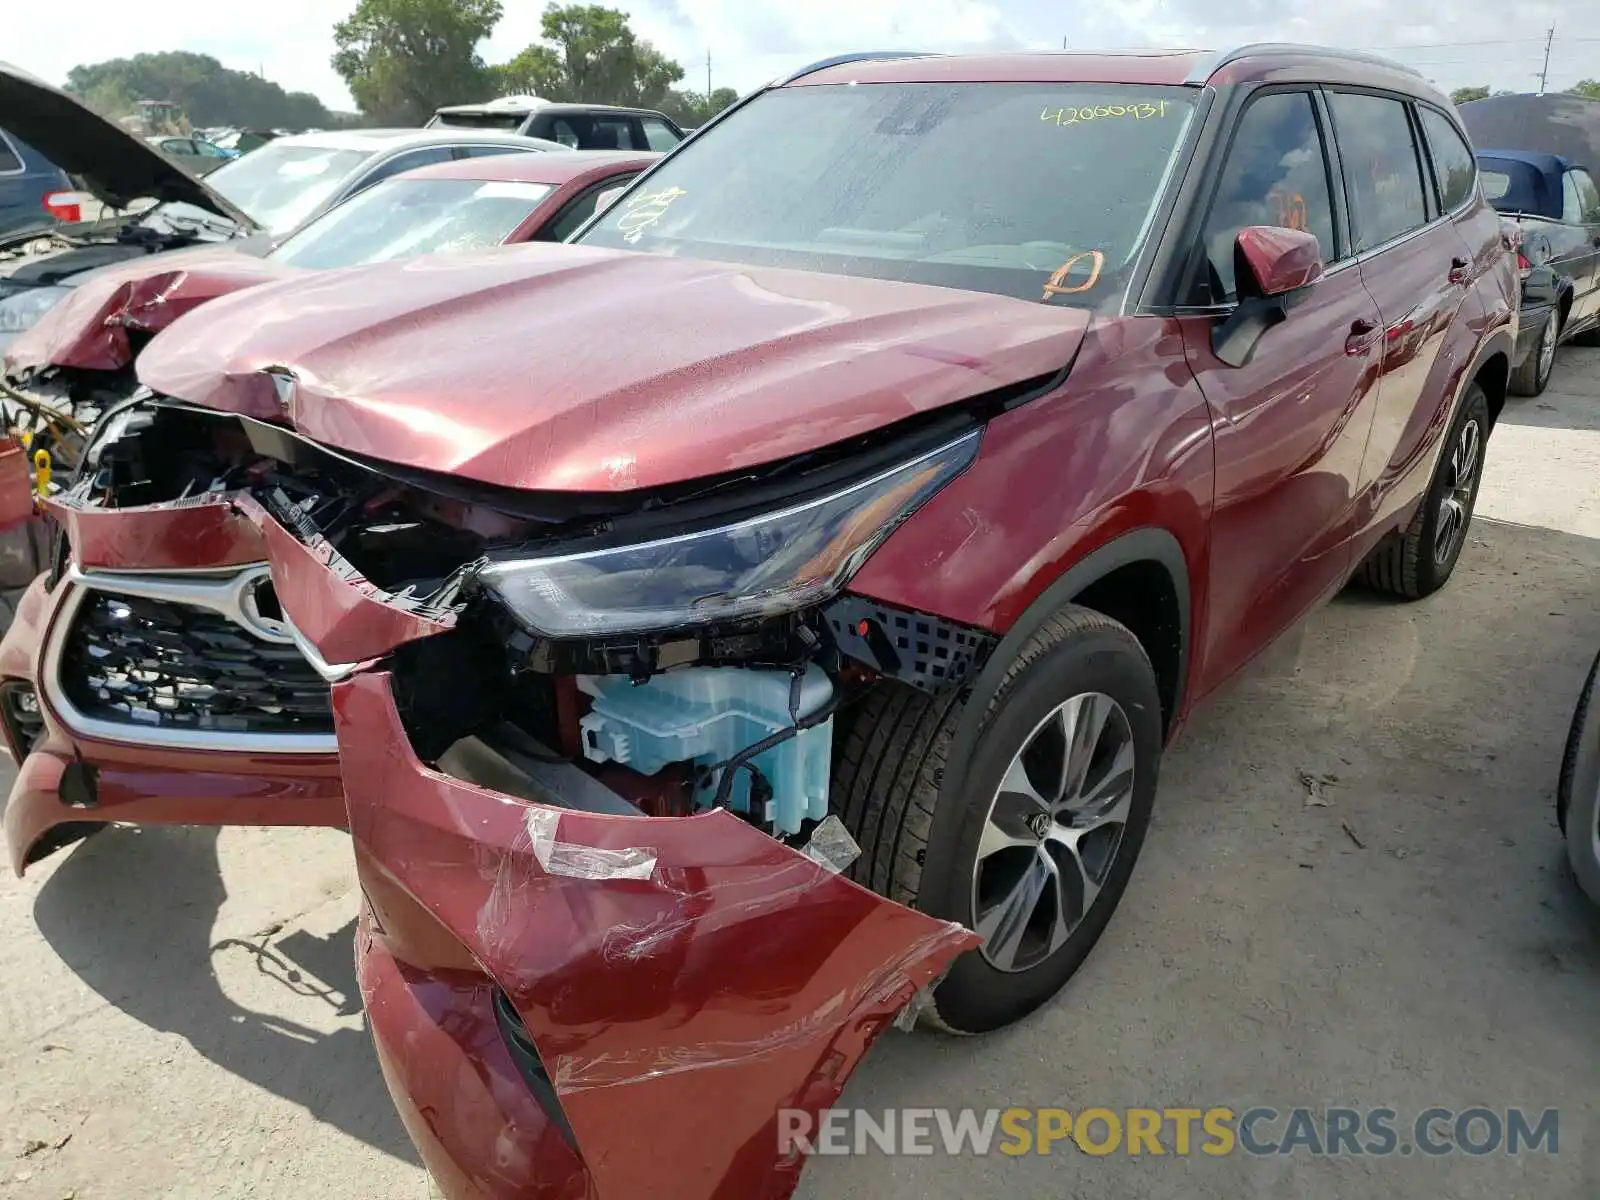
705, 715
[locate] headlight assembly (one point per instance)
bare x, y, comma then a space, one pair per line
21, 310
778, 562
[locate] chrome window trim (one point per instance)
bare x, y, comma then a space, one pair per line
224, 594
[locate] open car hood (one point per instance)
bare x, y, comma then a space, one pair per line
109, 161
571, 368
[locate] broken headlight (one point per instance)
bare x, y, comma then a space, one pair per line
778, 562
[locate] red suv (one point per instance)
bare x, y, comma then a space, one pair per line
764, 615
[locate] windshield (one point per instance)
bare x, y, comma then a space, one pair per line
402, 217
1041, 191
280, 186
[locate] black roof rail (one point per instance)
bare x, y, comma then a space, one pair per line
839, 60
1211, 66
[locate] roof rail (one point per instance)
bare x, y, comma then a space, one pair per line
839, 60
1203, 71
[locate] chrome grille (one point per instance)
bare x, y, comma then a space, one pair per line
144, 661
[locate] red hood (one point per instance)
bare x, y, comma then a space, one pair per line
578, 369
88, 329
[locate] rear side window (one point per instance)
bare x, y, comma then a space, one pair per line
1381, 168
1495, 185
1453, 163
1275, 174
658, 134
10, 160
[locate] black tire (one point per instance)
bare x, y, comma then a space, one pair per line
890, 789
1578, 791
1406, 564
1533, 376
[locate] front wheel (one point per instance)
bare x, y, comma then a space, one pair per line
1036, 849
1419, 561
1578, 792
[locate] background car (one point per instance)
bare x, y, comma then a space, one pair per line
578, 126
77, 360
1554, 206
291, 180
147, 205
26, 179
193, 153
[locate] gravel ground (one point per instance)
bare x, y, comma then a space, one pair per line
178, 1014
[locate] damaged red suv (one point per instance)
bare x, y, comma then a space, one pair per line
874, 488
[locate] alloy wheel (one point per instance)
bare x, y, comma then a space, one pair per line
1455, 505
1547, 348
1054, 828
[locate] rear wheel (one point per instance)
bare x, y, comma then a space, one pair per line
1418, 561
1036, 850
1533, 376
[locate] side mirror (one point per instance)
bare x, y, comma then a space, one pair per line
1272, 266
1276, 261
608, 197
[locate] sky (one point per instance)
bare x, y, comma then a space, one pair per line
1454, 42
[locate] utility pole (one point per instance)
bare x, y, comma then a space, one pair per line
708, 74
1544, 72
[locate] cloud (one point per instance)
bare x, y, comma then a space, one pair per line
751, 41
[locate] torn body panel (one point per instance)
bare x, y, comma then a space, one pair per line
89, 329
682, 979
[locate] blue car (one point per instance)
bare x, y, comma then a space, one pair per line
26, 178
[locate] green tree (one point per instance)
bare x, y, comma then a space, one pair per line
690, 109
404, 58
537, 71
1463, 94
210, 93
1589, 89
589, 53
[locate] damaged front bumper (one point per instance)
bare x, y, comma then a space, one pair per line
603, 941
672, 982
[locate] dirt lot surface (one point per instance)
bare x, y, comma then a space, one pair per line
1353, 894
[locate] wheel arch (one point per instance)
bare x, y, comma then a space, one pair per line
1125, 558
1490, 370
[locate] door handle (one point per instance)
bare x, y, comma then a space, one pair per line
1458, 270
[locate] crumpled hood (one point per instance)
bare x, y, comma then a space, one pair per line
111, 163
579, 369
89, 328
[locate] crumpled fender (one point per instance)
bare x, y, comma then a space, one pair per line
89, 328
682, 978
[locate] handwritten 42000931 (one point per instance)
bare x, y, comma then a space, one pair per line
1142, 110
